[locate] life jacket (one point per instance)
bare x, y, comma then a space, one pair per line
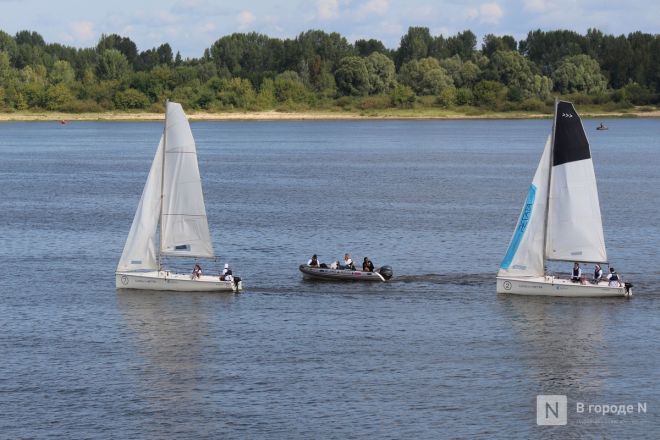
228, 272
598, 272
576, 272
614, 277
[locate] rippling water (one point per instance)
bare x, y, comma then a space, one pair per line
434, 353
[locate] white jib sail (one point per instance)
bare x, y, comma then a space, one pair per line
575, 228
185, 230
524, 257
140, 251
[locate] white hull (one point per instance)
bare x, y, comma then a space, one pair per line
162, 280
339, 274
551, 286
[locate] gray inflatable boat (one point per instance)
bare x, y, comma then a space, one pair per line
382, 273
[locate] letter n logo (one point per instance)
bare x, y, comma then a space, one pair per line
551, 410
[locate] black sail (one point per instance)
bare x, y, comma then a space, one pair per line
570, 140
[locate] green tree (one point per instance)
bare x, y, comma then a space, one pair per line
463, 73
237, 93
289, 88
131, 99
62, 72
514, 71
579, 73
352, 76
365, 48
414, 45
123, 44
462, 44
57, 97
112, 65
489, 93
493, 43
382, 76
402, 96
425, 76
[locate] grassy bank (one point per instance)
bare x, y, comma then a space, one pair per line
330, 114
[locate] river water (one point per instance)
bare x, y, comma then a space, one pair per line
435, 353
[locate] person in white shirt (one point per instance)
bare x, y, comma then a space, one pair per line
613, 278
227, 273
598, 274
348, 262
314, 261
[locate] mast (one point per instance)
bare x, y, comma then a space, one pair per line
547, 195
162, 185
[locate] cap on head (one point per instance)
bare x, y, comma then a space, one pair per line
226, 265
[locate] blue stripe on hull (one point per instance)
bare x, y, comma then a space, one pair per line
525, 218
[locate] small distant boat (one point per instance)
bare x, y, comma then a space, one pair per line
382, 273
560, 220
63, 122
173, 198
602, 127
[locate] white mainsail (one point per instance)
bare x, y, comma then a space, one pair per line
524, 257
185, 229
575, 228
140, 251
567, 219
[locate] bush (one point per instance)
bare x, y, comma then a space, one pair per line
374, 102
131, 99
464, 96
402, 96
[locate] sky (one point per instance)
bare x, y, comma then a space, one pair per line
190, 26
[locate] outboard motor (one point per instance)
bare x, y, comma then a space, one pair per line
628, 287
386, 272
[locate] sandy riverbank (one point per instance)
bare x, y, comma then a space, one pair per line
308, 115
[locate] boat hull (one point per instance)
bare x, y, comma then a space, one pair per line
162, 280
551, 286
321, 273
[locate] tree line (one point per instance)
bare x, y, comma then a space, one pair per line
316, 69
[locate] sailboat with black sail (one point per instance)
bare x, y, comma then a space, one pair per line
560, 220
172, 198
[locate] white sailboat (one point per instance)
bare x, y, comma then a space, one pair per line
172, 198
560, 220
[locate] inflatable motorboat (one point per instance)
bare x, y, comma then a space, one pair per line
382, 273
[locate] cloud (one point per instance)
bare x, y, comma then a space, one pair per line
327, 9
373, 7
82, 31
490, 13
537, 5
245, 19
486, 13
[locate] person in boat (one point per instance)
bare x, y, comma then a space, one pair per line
227, 274
577, 273
598, 274
613, 278
197, 272
314, 261
367, 265
348, 263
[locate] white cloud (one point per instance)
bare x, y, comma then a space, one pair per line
486, 13
537, 5
374, 7
490, 13
82, 31
245, 19
327, 9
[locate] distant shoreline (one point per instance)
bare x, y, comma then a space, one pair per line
411, 114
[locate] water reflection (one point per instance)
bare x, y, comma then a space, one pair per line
173, 339
560, 342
